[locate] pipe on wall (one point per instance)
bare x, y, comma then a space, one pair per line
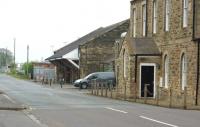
197, 84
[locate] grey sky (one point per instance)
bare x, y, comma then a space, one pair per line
46, 24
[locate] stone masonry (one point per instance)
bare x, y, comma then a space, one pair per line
173, 44
94, 52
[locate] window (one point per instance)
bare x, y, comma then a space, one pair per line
134, 22
166, 71
185, 13
144, 19
154, 16
124, 63
167, 13
183, 71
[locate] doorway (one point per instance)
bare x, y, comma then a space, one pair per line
147, 77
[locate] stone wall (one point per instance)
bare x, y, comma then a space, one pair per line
92, 56
94, 53
174, 43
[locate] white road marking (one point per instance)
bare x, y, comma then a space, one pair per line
171, 125
34, 119
116, 110
9, 98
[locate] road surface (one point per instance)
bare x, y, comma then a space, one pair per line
74, 108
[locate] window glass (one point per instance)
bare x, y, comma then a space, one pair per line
134, 22
166, 71
154, 16
167, 12
144, 19
185, 13
183, 72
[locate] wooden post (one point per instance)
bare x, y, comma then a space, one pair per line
170, 96
92, 87
50, 82
42, 80
95, 88
125, 92
145, 93
158, 95
106, 89
102, 89
98, 89
185, 97
111, 94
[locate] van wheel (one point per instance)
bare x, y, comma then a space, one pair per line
84, 86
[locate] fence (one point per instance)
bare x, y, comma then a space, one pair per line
103, 88
107, 89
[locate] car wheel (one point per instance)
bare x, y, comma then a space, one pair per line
84, 85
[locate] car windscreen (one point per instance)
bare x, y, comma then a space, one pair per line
88, 76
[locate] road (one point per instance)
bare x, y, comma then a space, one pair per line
74, 108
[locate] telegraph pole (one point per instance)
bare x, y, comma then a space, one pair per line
14, 52
27, 58
6, 58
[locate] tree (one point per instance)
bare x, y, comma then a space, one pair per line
28, 66
6, 57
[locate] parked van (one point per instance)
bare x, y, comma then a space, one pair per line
86, 82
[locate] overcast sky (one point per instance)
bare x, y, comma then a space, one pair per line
46, 24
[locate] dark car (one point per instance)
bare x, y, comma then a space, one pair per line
86, 82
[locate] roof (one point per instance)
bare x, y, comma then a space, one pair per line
91, 36
74, 45
66, 63
144, 46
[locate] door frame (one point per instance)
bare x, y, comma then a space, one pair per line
148, 64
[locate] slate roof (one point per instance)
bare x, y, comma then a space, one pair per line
91, 36
144, 46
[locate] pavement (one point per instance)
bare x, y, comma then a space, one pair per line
6, 103
57, 86
10, 118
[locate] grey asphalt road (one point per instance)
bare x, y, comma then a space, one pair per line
73, 108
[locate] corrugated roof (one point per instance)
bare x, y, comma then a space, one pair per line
144, 46
94, 34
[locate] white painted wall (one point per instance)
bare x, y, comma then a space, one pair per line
72, 55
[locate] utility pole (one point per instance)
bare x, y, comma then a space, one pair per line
6, 58
52, 48
14, 52
27, 59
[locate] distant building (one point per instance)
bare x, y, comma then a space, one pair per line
43, 70
66, 61
90, 53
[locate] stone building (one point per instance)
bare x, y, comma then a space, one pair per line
92, 52
98, 53
159, 58
67, 60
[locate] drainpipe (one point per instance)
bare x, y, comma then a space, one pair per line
198, 48
146, 32
197, 86
135, 68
